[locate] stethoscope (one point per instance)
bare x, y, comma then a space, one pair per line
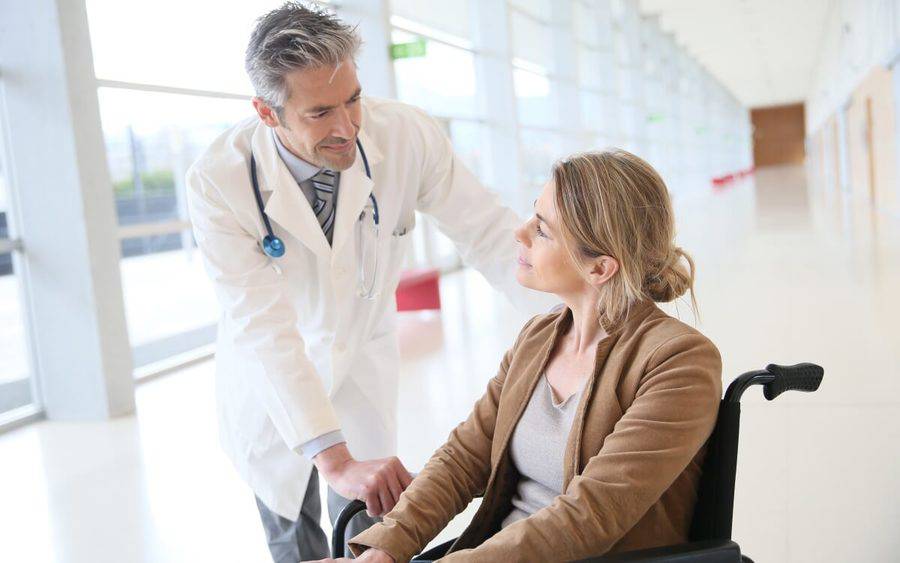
274, 247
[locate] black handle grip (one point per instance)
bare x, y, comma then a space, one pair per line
340, 526
800, 377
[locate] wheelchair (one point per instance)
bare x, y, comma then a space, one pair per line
710, 533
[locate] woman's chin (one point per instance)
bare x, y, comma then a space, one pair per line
523, 276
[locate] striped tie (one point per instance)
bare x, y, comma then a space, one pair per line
323, 207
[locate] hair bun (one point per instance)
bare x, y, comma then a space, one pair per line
673, 279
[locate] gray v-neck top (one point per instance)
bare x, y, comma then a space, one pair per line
537, 449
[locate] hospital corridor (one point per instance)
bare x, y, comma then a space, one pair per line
156, 341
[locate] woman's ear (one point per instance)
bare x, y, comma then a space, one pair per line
601, 269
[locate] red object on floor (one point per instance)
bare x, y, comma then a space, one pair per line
419, 290
723, 180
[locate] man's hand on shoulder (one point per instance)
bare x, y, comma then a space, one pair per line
377, 482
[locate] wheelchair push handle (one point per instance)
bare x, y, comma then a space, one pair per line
351, 509
800, 377
776, 380
338, 540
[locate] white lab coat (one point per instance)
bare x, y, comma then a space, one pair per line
298, 353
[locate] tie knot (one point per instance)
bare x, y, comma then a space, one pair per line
325, 176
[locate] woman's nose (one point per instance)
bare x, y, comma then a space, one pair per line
522, 235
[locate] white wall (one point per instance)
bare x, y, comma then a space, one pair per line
858, 36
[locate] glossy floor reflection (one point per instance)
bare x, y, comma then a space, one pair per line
786, 273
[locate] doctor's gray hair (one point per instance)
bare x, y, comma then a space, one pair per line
295, 37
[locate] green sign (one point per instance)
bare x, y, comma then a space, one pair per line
408, 50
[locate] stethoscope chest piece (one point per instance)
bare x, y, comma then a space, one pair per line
368, 246
273, 246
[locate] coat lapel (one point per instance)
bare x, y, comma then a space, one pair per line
353, 192
286, 205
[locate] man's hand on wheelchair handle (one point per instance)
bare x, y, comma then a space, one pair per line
377, 482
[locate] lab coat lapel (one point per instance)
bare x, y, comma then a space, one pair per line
354, 192
287, 205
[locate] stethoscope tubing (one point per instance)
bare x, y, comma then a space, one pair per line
273, 246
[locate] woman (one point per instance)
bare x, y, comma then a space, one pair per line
590, 438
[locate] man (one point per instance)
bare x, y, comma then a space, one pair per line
302, 215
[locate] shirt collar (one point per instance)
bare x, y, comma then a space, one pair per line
299, 168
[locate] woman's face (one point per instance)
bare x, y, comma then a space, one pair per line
544, 263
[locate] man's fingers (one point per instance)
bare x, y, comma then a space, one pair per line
405, 477
387, 503
373, 504
395, 486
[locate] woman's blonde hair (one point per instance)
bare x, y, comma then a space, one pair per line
612, 203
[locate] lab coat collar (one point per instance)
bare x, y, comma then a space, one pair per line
354, 192
287, 205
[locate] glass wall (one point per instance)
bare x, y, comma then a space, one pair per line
16, 390
15, 365
586, 74
161, 104
580, 74
434, 69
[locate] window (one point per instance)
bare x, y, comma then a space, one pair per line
16, 389
161, 104
535, 97
15, 370
151, 140
532, 40
442, 81
450, 18
195, 44
540, 149
598, 112
169, 303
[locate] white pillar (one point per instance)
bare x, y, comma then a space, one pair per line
376, 70
497, 98
895, 75
565, 58
58, 171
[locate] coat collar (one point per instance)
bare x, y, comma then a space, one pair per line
287, 205
594, 390
354, 191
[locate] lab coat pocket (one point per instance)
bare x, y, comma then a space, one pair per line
397, 252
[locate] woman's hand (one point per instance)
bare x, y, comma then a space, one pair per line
370, 555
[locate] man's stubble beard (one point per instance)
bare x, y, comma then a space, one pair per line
337, 165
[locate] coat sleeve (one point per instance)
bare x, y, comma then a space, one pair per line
481, 228
670, 419
255, 301
456, 473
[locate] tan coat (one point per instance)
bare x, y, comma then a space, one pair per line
633, 456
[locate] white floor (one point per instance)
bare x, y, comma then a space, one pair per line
786, 274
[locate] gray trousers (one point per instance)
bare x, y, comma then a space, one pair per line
303, 539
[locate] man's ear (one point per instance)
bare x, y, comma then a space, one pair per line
265, 112
601, 269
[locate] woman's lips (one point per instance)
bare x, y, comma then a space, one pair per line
522, 262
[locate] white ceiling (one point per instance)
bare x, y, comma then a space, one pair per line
763, 51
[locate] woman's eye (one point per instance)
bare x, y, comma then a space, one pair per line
537, 228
